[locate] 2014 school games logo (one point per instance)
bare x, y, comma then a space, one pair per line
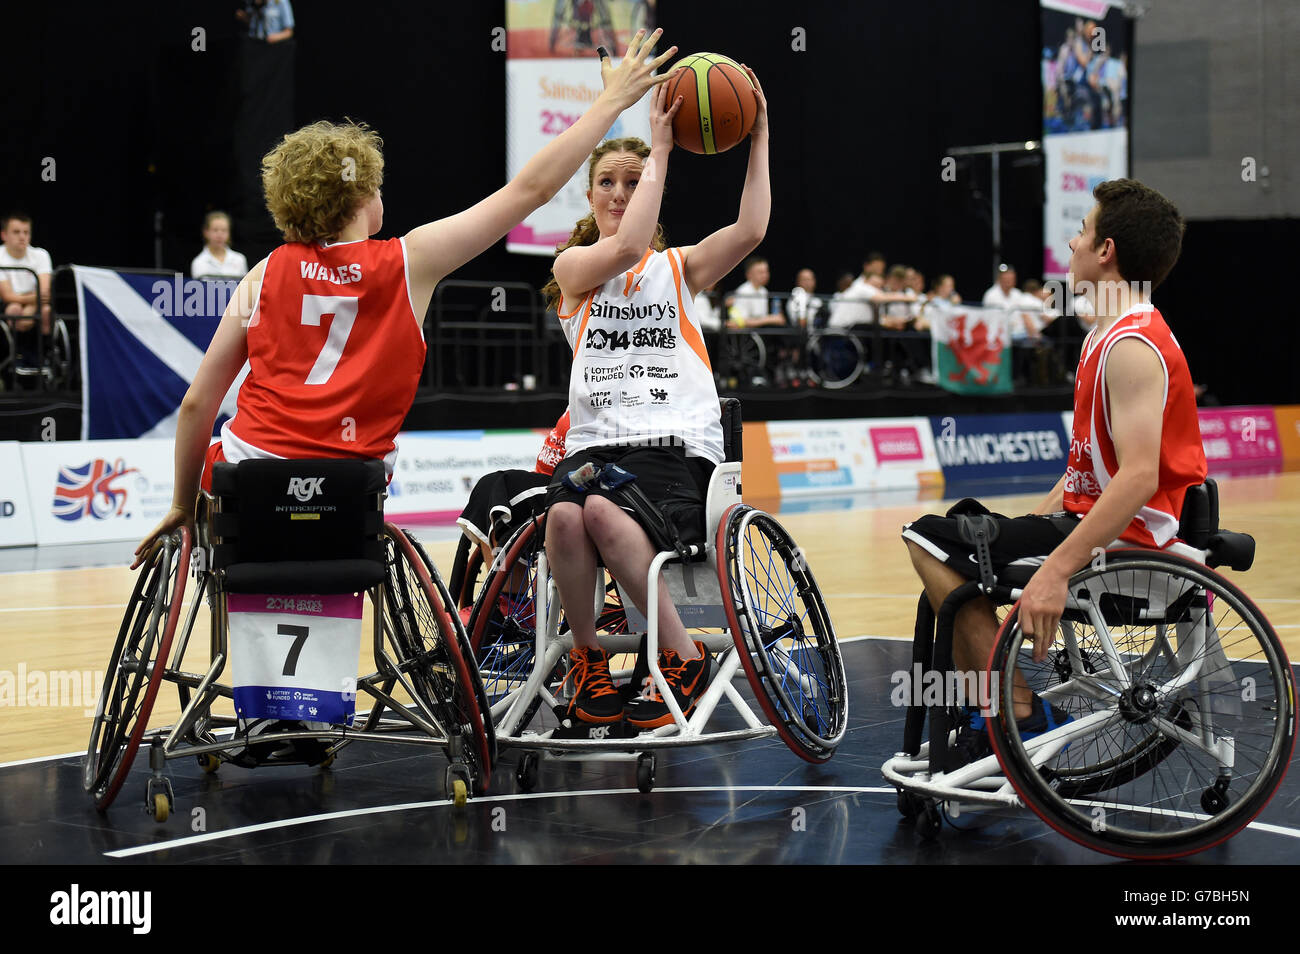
91, 490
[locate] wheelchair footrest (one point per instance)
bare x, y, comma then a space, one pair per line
572, 728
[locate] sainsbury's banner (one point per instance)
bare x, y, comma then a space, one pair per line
552, 78
982, 447
1240, 438
436, 470
814, 457
97, 491
15, 509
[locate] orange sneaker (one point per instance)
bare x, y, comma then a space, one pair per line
595, 697
686, 678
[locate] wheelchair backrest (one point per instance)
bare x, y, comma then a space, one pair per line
272, 511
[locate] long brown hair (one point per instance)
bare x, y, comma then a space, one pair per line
586, 231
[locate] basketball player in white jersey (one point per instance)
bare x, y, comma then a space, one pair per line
641, 395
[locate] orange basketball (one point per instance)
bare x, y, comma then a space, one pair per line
718, 103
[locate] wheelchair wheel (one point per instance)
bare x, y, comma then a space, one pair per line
418, 616
462, 642
837, 359
782, 632
503, 623
135, 669
746, 354
1190, 698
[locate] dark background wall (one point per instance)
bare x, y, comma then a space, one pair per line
139, 123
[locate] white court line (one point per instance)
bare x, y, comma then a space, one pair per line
490, 799
42, 758
493, 799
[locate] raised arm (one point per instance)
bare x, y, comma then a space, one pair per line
583, 267
439, 248
726, 248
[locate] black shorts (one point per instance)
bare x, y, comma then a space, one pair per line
677, 483
501, 502
1025, 541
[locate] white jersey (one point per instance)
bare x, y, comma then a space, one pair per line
641, 373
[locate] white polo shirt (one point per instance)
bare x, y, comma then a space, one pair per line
207, 265
37, 259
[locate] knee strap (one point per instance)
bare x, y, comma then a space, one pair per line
662, 531
980, 530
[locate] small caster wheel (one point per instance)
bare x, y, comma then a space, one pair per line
645, 772
909, 805
526, 773
930, 821
1214, 801
459, 792
162, 807
209, 762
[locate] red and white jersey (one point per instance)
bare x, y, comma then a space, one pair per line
641, 373
1093, 461
335, 353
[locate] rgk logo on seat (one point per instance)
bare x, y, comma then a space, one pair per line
304, 488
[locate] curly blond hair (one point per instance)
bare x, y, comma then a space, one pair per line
315, 178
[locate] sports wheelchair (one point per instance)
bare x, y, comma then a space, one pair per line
1181, 699
253, 539
749, 586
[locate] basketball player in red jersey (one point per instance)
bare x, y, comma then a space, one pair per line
1134, 451
330, 323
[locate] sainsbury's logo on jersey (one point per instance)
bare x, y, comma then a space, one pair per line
343, 275
91, 490
658, 311
304, 488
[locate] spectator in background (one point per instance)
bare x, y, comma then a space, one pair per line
218, 259
707, 309
269, 20
945, 289
747, 306
19, 289
896, 300
803, 305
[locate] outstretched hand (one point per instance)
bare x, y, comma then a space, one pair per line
661, 119
628, 81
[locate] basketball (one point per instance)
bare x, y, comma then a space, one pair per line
718, 103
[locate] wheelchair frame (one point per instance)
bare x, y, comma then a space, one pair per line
404, 655
748, 642
1023, 774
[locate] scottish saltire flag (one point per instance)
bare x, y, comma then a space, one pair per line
142, 338
90, 491
971, 349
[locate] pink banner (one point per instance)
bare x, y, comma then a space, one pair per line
896, 443
1240, 435
337, 606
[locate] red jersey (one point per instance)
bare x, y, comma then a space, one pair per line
335, 353
552, 451
1093, 461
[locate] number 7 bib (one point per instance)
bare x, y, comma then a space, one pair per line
295, 657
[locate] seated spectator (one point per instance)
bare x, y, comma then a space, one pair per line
19, 289
707, 310
1004, 294
747, 306
218, 259
803, 304
896, 300
850, 305
945, 289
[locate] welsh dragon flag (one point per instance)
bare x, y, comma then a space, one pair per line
971, 349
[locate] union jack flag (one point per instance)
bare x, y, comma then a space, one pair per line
88, 490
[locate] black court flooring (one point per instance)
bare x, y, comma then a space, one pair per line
748, 803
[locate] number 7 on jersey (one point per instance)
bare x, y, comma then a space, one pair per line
343, 308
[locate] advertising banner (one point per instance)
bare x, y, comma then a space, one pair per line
1001, 447
552, 77
15, 509
436, 470
813, 457
96, 491
1237, 438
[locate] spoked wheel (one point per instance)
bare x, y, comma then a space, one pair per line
418, 616
837, 359
782, 632
745, 352
135, 670
59, 358
1187, 696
